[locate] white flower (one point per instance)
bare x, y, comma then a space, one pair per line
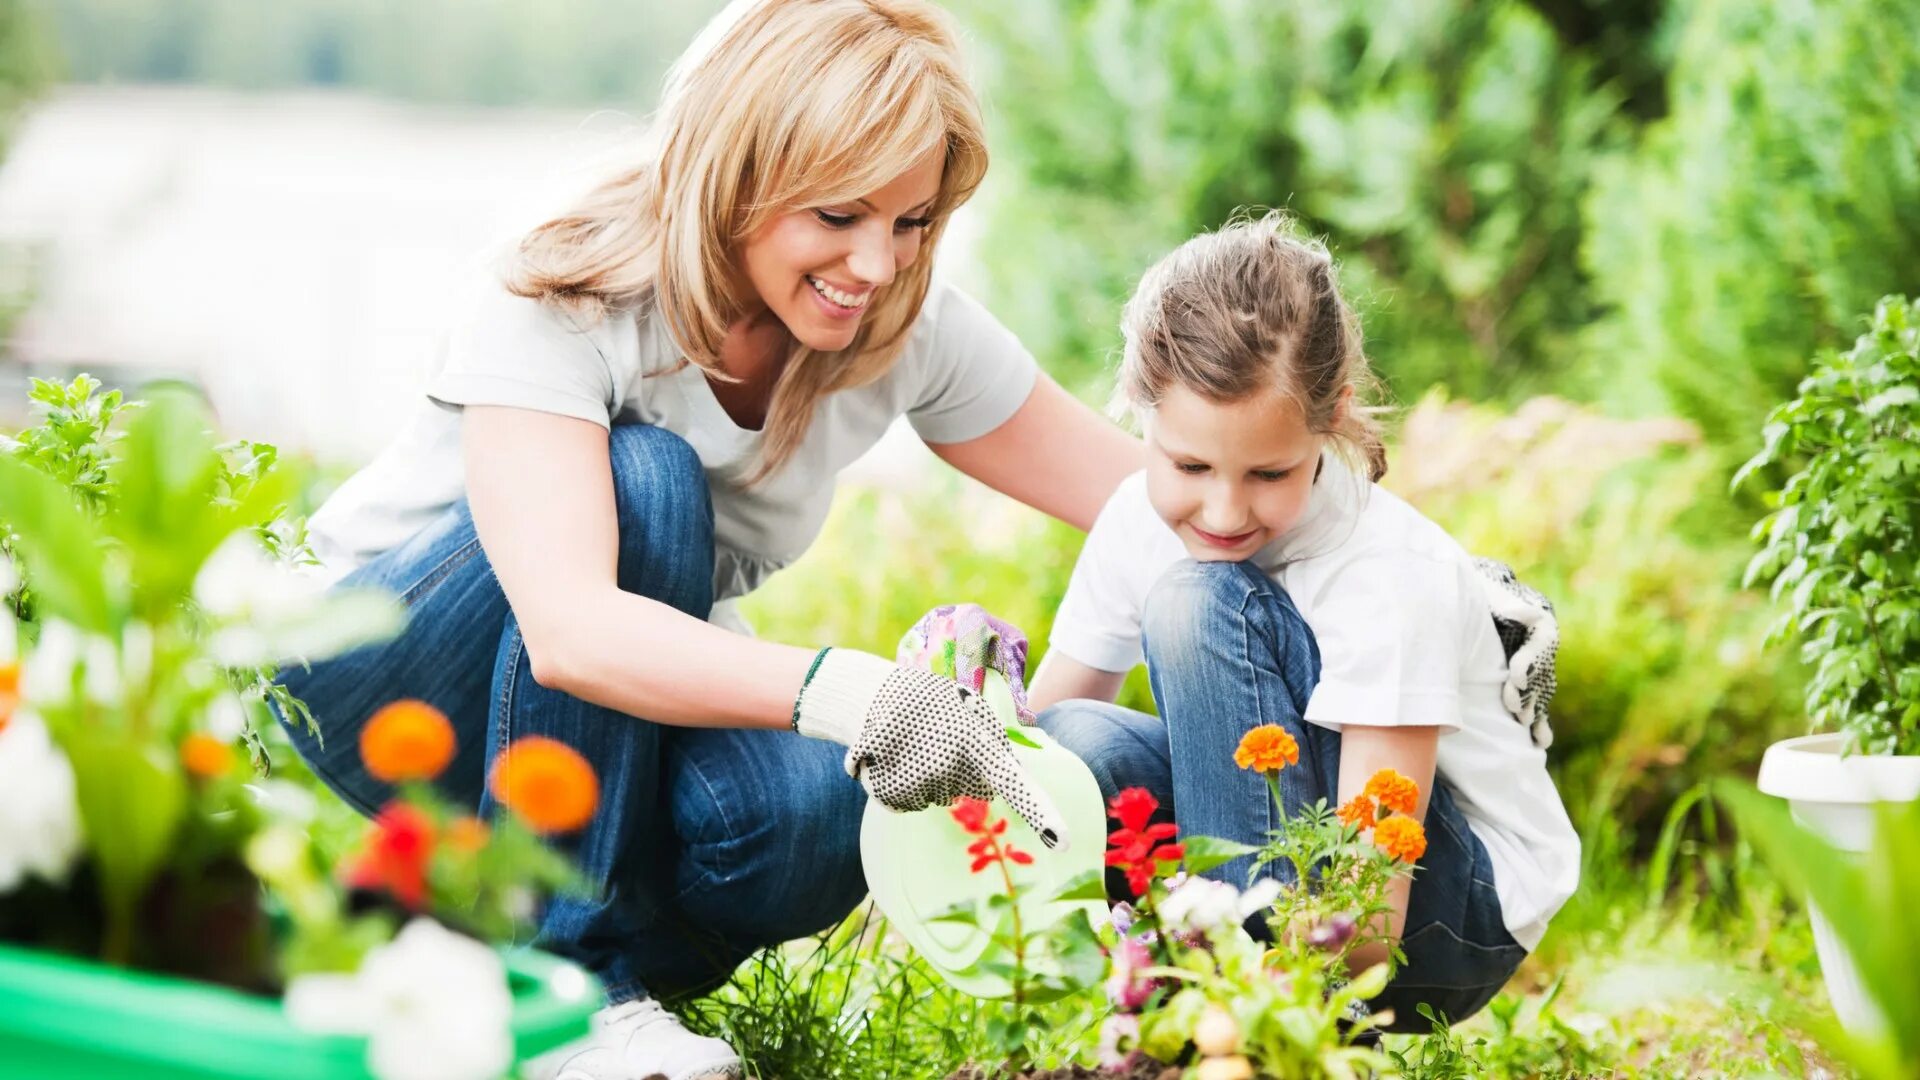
240, 582
1203, 904
226, 718
39, 811
434, 1005
47, 674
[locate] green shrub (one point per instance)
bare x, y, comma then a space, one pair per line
1780, 198
1443, 148
1840, 543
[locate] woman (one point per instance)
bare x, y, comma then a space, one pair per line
641, 425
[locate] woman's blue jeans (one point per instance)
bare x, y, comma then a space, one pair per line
1228, 651
709, 843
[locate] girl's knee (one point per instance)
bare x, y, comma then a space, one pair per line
1120, 747
1197, 606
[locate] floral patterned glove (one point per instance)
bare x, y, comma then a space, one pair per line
1531, 637
962, 641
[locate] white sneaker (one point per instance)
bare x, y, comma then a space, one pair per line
639, 1040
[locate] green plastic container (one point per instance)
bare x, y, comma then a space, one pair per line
77, 1020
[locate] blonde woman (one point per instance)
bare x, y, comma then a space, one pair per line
640, 425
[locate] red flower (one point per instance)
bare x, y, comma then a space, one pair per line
395, 858
1135, 848
988, 849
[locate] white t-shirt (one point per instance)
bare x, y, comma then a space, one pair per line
960, 376
1405, 639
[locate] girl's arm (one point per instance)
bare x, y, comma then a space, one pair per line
541, 489
1054, 454
1363, 752
1062, 678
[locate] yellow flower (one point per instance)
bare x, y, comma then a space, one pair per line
1267, 748
1401, 837
407, 740
1394, 791
547, 783
1236, 1067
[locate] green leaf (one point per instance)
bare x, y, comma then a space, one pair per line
1090, 885
1203, 853
60, 549
132, 796
1020, 737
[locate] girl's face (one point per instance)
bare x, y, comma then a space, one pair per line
818, 269
1228, 477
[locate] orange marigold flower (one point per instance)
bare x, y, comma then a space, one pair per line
547, 783
1357, 811
407, 740
468, 834
1401, 837
205, 756
1394, 791
9, 690
1267, 748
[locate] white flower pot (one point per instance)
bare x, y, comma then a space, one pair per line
1833, 795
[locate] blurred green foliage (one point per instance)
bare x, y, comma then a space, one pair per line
1760, 221
1659, 206
491, 52
1442, 146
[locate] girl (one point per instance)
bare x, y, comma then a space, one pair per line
1266, 579
638, 424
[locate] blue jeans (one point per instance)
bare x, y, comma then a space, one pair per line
708, 844
1228, 651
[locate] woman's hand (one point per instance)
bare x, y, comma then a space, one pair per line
915, 739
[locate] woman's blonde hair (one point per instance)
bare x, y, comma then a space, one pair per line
777, 105
1253, 307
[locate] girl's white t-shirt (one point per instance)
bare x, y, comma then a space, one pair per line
960, 376
1405, 638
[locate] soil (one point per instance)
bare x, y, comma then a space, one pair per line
1140, 1068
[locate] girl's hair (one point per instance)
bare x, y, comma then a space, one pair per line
1249, 308
777, 105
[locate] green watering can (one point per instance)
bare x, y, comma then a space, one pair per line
918, 868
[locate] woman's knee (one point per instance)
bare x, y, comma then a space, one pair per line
665, 511
769, 830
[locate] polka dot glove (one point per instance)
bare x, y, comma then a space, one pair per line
1531, 637
915, 739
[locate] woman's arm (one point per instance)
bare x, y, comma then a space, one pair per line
541, 489
1054, 454
1062, 678
1363, 752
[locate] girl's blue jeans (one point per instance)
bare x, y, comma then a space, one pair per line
709, 843
1228, 651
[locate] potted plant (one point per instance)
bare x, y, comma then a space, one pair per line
1840, 548
158, 895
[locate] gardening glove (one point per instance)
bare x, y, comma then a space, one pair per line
1531, 636
962, 642
915, 739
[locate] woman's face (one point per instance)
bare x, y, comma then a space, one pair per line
818, 269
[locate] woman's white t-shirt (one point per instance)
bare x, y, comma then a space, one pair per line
960, 376
1405, 638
